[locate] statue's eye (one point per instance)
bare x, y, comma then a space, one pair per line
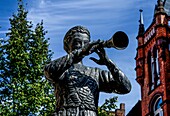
86, 42
77, 42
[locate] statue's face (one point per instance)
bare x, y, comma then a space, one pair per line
78, 40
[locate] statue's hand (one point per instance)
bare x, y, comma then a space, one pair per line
102, 55
90, 48
85, 50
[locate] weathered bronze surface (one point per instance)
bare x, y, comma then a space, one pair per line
77, 86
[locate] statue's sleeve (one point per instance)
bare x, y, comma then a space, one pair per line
113, 80
55, 69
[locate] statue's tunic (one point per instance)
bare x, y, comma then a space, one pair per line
80, 85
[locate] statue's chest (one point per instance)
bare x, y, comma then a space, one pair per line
81, 80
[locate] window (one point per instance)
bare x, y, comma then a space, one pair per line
153, 72
156, 106
153, 68
150, 74
157, 110
169, 23
157, 68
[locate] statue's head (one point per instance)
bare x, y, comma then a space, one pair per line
76, 38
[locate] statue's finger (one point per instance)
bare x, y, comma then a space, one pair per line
94, 59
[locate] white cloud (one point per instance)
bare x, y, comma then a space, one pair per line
58, 14
61, 15
3, 32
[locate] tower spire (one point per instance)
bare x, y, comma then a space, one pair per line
141, 24
159, 8
141, 16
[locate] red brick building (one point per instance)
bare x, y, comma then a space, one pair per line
153, 62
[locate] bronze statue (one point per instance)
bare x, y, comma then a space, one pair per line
77, 86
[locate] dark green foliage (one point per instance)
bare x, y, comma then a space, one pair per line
23, 88
108, 105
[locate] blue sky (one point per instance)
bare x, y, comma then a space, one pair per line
102, 17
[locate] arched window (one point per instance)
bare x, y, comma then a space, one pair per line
156, 106
157, 110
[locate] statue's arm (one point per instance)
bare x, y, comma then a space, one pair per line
55, 69
113, 80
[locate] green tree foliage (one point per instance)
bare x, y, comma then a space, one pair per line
23, 87
108, 105
2, 63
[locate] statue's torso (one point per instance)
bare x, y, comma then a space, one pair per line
81, 90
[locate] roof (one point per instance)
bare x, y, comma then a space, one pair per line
136, 110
